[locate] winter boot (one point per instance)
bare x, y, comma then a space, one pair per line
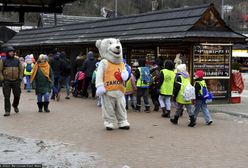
46, 107
192, 121
156, 108
133, 106
167, 114
137, 109
40, 106
175, 120
147, 109
6, 114
163, 112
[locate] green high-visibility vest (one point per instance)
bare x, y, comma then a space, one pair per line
184, 83
202, 84
168, 83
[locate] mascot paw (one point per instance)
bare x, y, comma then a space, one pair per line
124, 75
109, 126
100, 90
124, 125
125, 128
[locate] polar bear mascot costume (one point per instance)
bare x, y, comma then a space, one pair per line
110, 83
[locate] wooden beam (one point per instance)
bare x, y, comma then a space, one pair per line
35, 9
11, 24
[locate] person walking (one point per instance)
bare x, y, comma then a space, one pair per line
11, 73
200, 102
65, 73
142, 74
42, 74
166, 86
56, 66
182, 79
88, 68
28, 66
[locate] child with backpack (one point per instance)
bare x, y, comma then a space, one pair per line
28, 66
143, 77
202, 95
183, 93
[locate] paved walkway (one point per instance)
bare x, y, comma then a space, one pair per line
240, 109
152, 142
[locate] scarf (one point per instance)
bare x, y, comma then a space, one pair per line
45, 69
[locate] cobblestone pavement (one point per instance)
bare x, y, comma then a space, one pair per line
152, 142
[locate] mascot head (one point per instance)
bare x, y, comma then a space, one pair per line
110, 49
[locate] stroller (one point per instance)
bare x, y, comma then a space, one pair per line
78, 84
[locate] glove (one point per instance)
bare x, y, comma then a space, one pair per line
100, 90
124, 75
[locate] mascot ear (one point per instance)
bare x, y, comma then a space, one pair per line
118, 40
98, 43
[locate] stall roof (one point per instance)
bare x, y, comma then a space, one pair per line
181, 24
47, 20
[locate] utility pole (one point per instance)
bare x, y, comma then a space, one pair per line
116, 6
222, 9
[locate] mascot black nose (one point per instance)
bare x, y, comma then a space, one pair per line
118, 47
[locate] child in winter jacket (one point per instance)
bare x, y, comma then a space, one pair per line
166, 85
28, 66
130, 90
181, 81
143, 76
200, 103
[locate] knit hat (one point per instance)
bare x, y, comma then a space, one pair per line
199, 74
28, 58
90, 55
182, 68
9, 49
43, 57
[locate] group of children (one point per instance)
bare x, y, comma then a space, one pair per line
168, 84
164, 82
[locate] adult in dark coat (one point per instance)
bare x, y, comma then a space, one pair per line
88, 68
65, 73
56, 65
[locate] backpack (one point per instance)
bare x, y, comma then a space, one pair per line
145, 75
206, 95
29, 67
189, 92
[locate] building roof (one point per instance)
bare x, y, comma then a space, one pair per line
179, 24
47, 20
6, 34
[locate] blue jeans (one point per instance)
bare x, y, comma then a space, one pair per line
28, 85
56, 87
180, 109
142, 92
66, 80
131, 98
201, 105
46, 97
